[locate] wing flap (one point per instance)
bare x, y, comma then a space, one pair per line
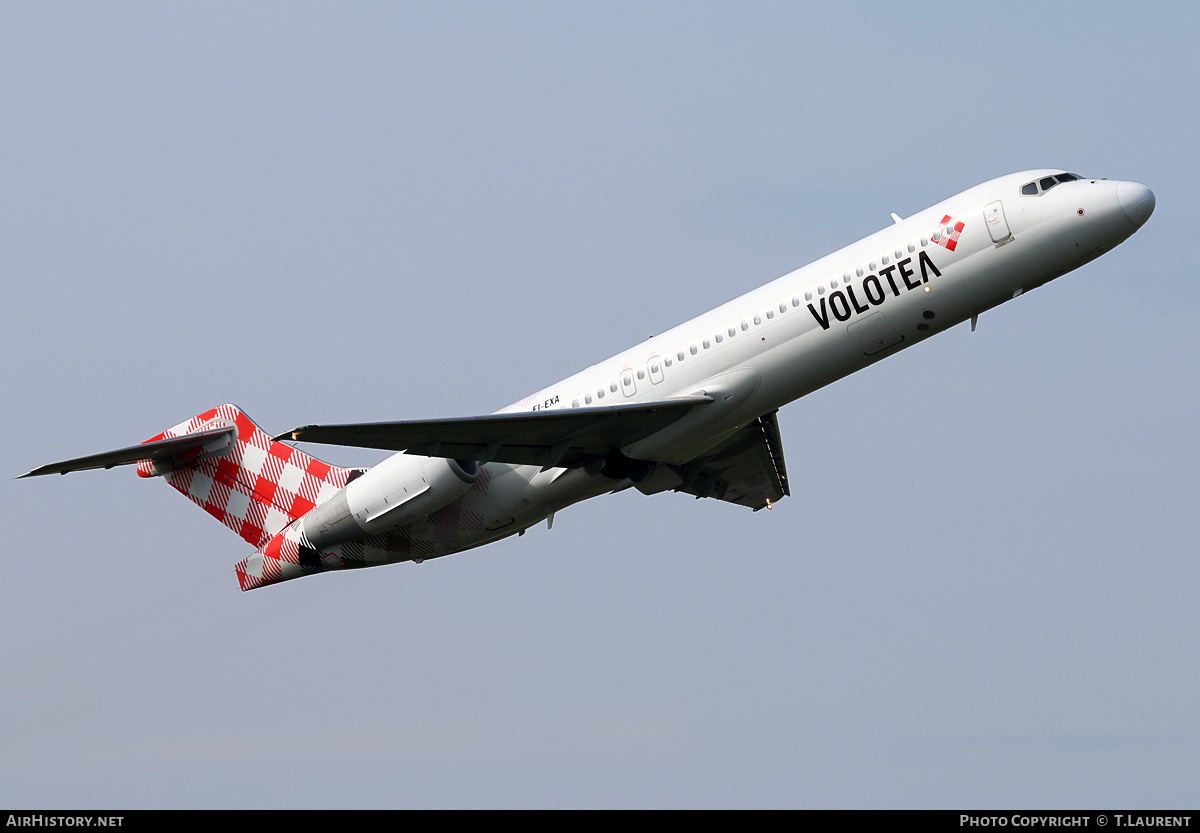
747, 469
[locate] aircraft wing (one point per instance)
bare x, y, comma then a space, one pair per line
568, 437
748, 469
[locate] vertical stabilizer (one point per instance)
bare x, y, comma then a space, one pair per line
257, 486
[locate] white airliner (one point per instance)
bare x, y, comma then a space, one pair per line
691, 410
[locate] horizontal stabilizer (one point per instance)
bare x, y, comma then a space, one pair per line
161, 452
568, 437
229, 467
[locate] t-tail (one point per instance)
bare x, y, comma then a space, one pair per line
232, 469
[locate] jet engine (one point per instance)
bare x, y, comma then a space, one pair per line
400, 490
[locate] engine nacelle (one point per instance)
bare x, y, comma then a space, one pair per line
400, 490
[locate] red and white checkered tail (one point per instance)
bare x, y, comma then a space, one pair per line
253, 485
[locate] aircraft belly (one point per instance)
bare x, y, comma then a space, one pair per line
557, 488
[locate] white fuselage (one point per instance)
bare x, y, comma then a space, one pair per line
801, 332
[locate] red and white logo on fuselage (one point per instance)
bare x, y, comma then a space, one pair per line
947, 235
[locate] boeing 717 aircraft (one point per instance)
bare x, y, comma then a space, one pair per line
691, 410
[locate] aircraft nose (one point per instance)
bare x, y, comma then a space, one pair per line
1137, 201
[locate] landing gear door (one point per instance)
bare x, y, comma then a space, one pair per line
997, 226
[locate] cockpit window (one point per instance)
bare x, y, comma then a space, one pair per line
1041, 186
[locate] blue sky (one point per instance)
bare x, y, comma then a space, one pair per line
979, 593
